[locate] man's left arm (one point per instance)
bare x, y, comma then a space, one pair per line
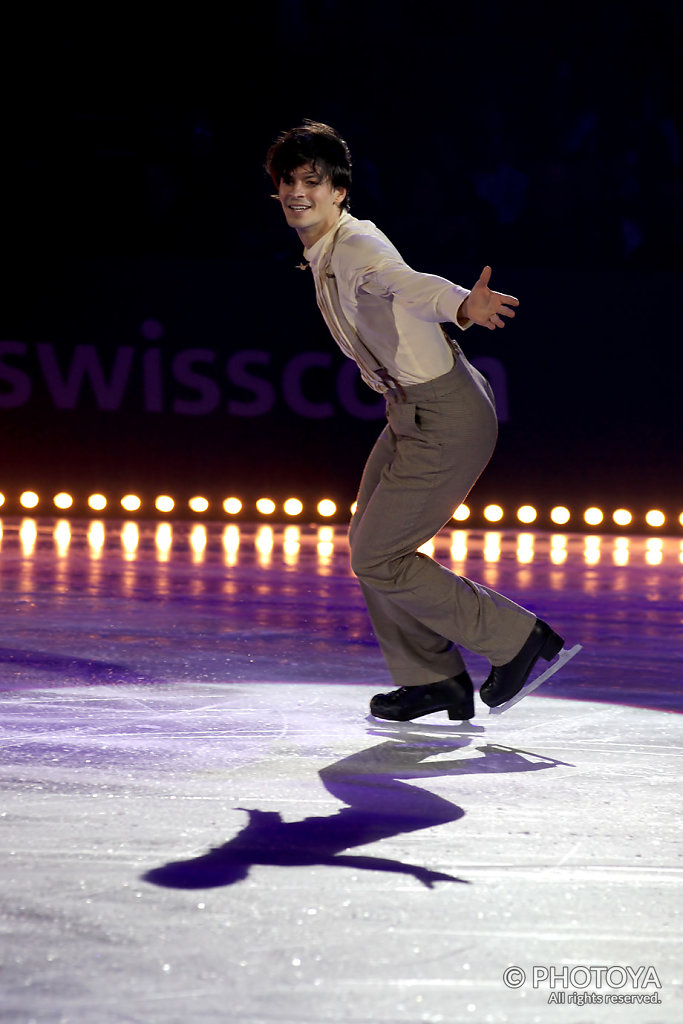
368, 266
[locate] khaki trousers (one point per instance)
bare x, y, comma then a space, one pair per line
423, 465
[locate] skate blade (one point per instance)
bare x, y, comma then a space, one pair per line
563, 657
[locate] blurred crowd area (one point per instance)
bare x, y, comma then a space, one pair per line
522, 135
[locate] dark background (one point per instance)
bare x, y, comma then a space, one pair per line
544, 140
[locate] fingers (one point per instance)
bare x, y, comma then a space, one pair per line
485, 276
495, 318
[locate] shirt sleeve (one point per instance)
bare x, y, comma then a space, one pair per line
367, 264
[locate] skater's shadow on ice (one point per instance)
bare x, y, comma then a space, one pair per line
64, 670
378, 806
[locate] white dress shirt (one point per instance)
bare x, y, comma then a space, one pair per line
375, 305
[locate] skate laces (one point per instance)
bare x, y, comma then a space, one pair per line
397, 694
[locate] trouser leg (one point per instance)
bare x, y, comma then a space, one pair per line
420, 470
414, 653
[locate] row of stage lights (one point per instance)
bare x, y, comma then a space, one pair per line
594, 549
326, 509
163, 503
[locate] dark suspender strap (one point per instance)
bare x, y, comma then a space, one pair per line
392, 385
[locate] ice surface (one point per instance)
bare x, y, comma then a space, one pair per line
201, 823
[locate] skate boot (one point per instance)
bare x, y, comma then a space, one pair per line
455, 696
504, 681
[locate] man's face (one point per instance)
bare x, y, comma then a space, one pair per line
310, 203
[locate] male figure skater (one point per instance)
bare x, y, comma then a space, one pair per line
440, 434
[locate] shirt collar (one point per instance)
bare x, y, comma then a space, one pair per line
319, 248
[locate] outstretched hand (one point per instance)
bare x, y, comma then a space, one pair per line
486, 307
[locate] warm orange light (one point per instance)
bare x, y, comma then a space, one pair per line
459, 545
29, 499
264, 543
491, 547
461, 513
293, 507
593, 516
427, 548
28, 532
163, 538
163, 503
621, 551
655, 518
198, 504
231, 543
130, 538
558, 549
232, 506
131, 502
291, 544
97, 502
62, 536
325, 545
653, 552
560, 515
622, 517
198, 540
231, 538
265, 506
526, 514
96, 537
2, 500
326, 507
591, 553
63, 500
493, 513
525, 547
355, 506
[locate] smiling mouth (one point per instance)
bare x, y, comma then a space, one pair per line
299, 209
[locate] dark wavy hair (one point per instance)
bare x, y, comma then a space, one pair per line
315, 143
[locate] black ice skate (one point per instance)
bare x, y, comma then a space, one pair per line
507, 684
456, 696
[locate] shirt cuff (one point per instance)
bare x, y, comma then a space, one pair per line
449, 306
